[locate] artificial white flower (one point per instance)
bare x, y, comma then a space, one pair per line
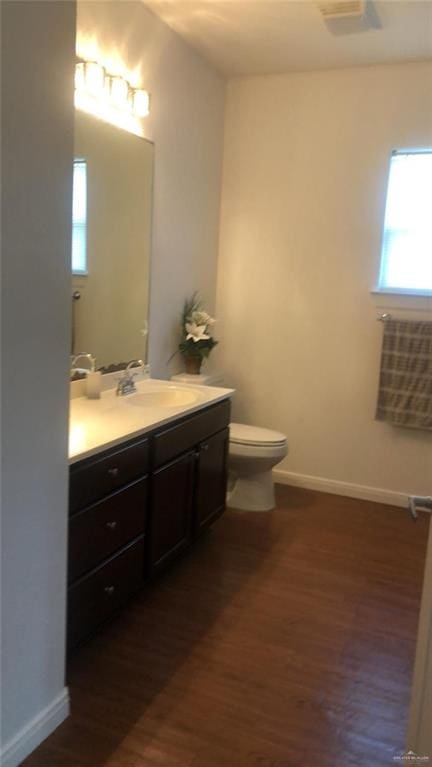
196, 332
202, 318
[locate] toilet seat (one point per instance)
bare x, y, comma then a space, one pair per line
255, 436
236, 450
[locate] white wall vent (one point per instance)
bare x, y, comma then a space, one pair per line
342, 9
344, 17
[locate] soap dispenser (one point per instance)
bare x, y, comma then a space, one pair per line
93, 381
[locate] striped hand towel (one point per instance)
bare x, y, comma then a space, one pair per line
405, 387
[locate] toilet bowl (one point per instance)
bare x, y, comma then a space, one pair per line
253, 452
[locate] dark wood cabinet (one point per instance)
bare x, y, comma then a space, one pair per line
136, 507
97, 597
171, 517
95, 478
177, 438
105, 527
211, 480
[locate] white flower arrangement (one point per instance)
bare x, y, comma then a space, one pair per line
197, 340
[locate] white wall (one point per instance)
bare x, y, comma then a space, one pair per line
186, 124
305, 167
37, 151
38, 41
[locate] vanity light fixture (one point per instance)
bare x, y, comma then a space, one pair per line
110, 97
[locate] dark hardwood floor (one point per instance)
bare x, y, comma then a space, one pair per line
282, 639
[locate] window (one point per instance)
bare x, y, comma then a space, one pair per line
79, 218
406, 259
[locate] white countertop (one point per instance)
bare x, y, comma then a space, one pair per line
97, 424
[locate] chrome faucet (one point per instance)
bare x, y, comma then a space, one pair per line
83, 355
126, 382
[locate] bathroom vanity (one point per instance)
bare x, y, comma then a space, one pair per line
145, 482
148, 471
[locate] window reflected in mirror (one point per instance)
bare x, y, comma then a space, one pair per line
79, 218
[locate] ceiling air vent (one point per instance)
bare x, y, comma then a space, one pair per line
345, 17
342, 9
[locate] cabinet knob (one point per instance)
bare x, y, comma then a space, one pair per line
204, 447
111, 525
113, 472
109, 590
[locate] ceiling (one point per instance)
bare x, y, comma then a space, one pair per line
250, 37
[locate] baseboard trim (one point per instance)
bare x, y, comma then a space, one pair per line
376, 494
35, 731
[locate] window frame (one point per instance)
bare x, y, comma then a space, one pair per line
381, 289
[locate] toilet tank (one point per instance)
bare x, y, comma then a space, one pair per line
214, 378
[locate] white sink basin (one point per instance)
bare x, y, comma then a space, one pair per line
169, 396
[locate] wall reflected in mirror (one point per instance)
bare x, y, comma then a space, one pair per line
111, 242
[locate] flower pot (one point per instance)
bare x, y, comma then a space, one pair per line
193, 365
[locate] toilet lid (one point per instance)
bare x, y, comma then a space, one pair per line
254, 435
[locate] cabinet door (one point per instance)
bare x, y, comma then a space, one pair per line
212, 480
171, 510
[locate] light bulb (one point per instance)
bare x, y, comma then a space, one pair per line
119, 91
141, 103
79, 75
94, 78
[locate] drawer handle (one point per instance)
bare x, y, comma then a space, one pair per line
109, 590
111, 525
114, 472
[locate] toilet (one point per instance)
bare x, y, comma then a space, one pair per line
253, 452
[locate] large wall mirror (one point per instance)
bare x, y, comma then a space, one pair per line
111, 241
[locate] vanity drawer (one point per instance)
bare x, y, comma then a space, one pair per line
97, 597
94, 480
178, 439
105, 527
